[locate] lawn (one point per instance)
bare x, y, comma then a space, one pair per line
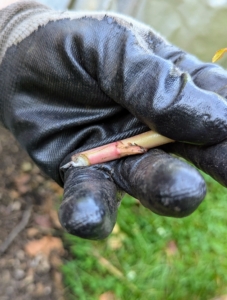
152, 257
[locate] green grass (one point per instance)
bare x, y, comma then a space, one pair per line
145, 265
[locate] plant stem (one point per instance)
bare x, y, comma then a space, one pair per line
137, 144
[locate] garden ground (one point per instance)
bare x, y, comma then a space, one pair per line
146, 256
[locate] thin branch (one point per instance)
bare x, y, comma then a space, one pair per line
113, 270
16, 230
107, 264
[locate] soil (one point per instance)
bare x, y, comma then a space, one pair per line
27, 270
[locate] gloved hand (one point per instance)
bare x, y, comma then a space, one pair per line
73, 81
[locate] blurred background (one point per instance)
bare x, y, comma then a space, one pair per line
148, 256
196, 26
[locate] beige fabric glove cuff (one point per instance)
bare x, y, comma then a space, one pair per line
19, 20
14, 21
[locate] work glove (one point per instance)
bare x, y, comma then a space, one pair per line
73, 81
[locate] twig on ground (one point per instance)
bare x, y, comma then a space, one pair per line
105, 263
113, 270
16, 230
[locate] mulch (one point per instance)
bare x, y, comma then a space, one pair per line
28, 201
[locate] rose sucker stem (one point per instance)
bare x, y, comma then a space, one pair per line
137, 144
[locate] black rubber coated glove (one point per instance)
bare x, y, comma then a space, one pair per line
72, 81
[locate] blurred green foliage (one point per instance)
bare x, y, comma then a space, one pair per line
153, 257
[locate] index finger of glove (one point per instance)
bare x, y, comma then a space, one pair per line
207, 76
133, 73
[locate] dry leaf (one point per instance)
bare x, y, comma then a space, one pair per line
47, 204
107, 296
54, 218
116, 239
44, 246
26, 166
115, 242
137, 202
39, 290
43, 221
14, 194
116, 229
32, 232
223, 297
15, 206
22, 183
58, 285
171, 248
55, 188
55, 260
219, 54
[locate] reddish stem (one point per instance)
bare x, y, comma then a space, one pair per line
137, 144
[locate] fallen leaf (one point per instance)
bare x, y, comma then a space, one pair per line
57, 277
223, 297
15, 206
55, 260
32, 232
46, 205
115, 242
39, 290
107, 296
55, 188
22, 183
116, 229
116, 239
137, 202
44, 246
219, 54
26, 166
14, 194
54, 218
171, 248
43, 221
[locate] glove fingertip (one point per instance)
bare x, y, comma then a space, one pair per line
164, 184
89, 208
176, 190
